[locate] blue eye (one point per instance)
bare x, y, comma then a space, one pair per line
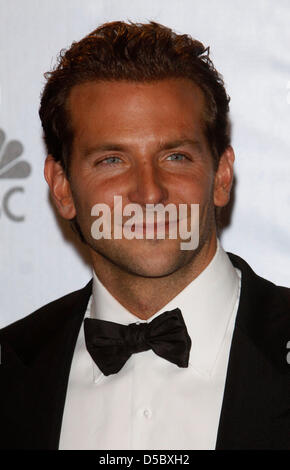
111, 160
176, 157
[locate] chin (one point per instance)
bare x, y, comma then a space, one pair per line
152, 270
153, 263
150, 258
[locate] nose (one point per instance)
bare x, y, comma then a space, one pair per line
147, 186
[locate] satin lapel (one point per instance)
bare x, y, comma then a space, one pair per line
36, 392
256, 405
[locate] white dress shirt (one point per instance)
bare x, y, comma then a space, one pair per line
151, 403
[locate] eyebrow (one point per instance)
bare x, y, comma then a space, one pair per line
110, 146
181, 143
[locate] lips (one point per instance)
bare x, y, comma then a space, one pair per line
151, 228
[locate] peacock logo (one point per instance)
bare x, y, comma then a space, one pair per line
12, 168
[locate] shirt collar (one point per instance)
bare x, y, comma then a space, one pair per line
207, 304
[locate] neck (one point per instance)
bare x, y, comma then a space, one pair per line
144, 296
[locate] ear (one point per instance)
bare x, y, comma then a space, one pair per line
59, 188
224, 178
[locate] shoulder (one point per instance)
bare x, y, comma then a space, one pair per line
264, 314
259, 287
44, 322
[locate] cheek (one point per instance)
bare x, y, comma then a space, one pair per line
86, 188
198, 190
88, 192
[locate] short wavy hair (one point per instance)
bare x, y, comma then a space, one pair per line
133, 52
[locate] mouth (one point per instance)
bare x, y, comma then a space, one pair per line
151, 229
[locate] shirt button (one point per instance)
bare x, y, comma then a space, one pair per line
147, 413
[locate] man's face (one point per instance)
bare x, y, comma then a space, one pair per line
144, 142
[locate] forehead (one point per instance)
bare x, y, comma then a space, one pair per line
125, 108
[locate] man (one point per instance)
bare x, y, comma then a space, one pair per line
137, 112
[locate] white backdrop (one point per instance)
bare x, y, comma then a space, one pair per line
249, 43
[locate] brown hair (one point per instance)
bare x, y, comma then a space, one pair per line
133, 52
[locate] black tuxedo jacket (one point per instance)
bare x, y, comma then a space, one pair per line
36, 355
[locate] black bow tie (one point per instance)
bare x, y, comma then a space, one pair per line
111, 344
